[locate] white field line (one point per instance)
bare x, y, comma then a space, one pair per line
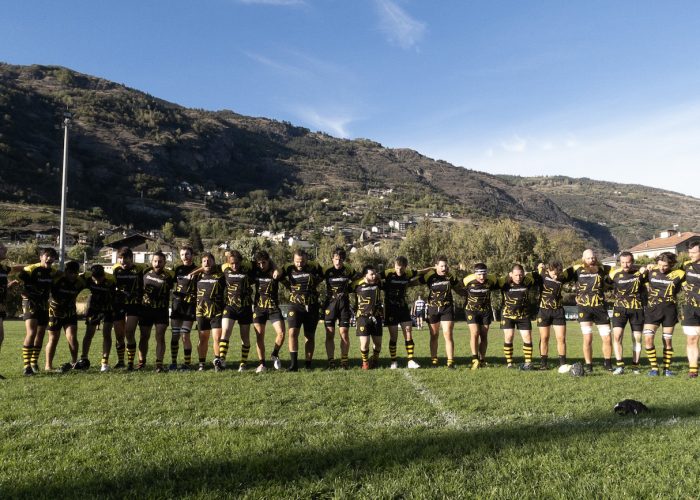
451, 419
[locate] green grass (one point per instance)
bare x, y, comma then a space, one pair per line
380, 434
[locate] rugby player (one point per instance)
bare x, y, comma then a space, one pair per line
63, 314
418, 311
477, 289
127, 305
238, 308
396, 314
182, 314
36, 280
628, 290
100, 310
338, 278
590, 277
440, 282
211, 288
663, 285
368, 315
302, 277
691, 309
157, 284
266, 307
551, 313
5, 285
515, 313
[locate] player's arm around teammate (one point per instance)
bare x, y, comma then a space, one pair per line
182, 315
369, 315
515, 314
477, 287
337, 279
157, 284
266, 306
100, 311
551, 314
211, 286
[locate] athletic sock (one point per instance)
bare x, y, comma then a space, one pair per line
365, 355
223, 349
607, 363
527, 352
174, 344
344, 361
693, 369
245, 349
434, 361
34, 355
131, 353
276, 350
375, 355
651, 354
544, 360
620, 363
450, 362
508, 353
105, 359
668, 355
293, 355
121, 349
392, 350
187, 353
562, 360
27, 355
410, 346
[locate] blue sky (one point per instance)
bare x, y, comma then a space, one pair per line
600, 89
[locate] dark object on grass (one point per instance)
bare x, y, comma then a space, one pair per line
630, 406
577, 370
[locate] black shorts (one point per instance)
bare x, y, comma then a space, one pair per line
57, 322
436, 314
396, 315
337, 310
121, 311
516, 324
420, 313
549, 317
298, 316
97, 317
262, 315
31, 311
244, 315
691, 316
597, 315
478, 317
183, 310
621, 315
153, 316
208, 323
664, 314
369, 325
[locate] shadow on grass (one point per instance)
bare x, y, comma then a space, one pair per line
299, 466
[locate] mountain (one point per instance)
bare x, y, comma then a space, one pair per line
140, 160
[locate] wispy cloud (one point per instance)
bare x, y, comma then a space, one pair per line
335, 124
400, 28
283, 3
282, 67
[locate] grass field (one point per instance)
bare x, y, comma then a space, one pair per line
379, 434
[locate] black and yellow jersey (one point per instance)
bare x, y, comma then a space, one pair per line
63, 294
185, 288
662, 288
478, 295
156, 288
338, 282
628, 287
101, 294
37, 280
238, 284
4, 277
440, 288
515, 297
550, 288
129, 288
395, 286
691, 284
266, 289
303, 284
211, 289
590, 291
368, 298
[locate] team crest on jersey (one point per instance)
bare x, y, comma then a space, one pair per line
255, 315
290, 313
539, 320
580, 315
328, 312
617, 314
503, 323
362, 328
470, 317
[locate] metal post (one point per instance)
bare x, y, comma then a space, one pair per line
64, 189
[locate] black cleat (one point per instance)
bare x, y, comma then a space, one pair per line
28, 371
119, 365
66, 367
82, 364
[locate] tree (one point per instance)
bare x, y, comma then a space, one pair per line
196, 240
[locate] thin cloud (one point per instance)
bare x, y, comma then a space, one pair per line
400, 28
288, 69
282, 3
335, 125
515, 145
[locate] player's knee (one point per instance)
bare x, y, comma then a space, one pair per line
667, 336
586, 330
691, 331
604, 330
648, 332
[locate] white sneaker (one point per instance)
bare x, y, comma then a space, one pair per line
242, 368
260, 369
276, 363
104, 368
619, 370
394, 365
412, 364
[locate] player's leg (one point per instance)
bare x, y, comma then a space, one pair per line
560, 334
587, 334
330, 342
393, 341
203, 346
649, 332
130, 338
474, 337
90, 330
161, 328
54, 329
448, 334
260, 346
120, 339
526, 336
667, 336
508, 335
279, 328
71, 332
144, 338
30, 326
185, 333
106, 344
606, 341
293, 346
544, 345
310, 325
245, 345
364, 350
434, 333
407, 328
175, 325
691, 347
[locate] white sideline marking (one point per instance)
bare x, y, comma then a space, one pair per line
451, 419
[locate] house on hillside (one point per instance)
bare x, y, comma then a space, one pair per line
668, 241
142, 246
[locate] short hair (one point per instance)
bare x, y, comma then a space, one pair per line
340, 252
401, 260
72, 266
261, 255
208, 255
49, 252
667, 257
555, 265
235, 254
187, 248
125, 252
300, 252
627, 254
518, 267
158, 254
367, 268
694, 244
97, 270
441, 258
480, 266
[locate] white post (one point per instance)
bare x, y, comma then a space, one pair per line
64, 189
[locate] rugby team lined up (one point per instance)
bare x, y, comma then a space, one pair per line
215, 297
